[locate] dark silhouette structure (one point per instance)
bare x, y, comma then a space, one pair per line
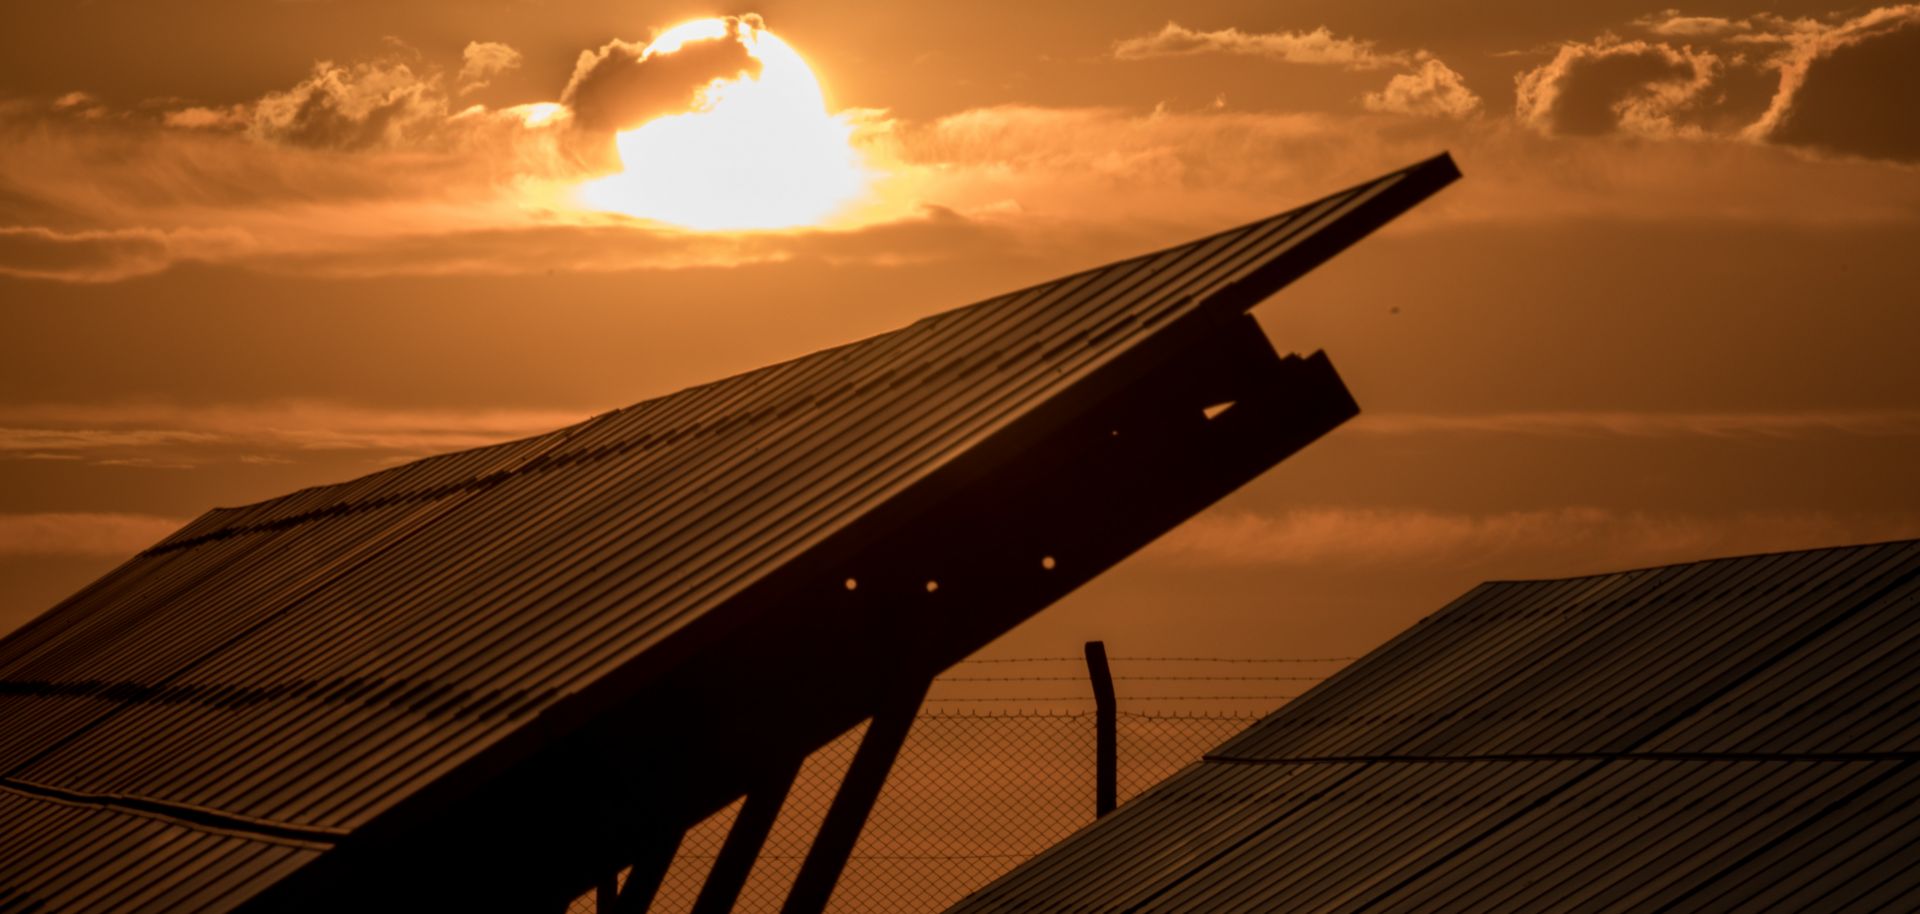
1730, 735
493, 679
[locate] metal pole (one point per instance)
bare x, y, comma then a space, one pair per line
1106, 743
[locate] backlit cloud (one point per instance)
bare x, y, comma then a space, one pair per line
1427, 88
1433, 90
1672, 23
1837, 84
1318, 46
1607, 85
352, 107
1852, 88
482, 61
373, 168
619, 86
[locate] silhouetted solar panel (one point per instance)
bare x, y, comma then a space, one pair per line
1738, 734
487, 677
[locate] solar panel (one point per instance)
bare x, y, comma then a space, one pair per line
534, 660
1736, 734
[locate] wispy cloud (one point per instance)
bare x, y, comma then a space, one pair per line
482, 61
107, 255
1868, 423
1317, 46
82, 534
1599, 538
164, 436
1671, 23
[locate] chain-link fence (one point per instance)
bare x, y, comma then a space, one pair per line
989, 776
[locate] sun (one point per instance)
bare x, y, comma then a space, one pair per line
755, 152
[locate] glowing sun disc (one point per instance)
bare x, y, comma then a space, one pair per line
758, 153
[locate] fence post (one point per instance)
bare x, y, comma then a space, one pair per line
1106, 743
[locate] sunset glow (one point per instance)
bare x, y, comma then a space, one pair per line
756, 153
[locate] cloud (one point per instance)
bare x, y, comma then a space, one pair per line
1429, 88
482, 61
1863, 423
81, 534
1607, 85
620, 85
1671, 24
1319, 46
203, 118
1852, 88
366, 169
1432, 90
178, 435
1583, 537
108, 255
360, 106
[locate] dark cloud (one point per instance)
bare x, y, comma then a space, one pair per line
620, 86
1855, 91
1604, 86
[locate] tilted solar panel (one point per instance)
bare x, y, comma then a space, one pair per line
1728, 735
449, 654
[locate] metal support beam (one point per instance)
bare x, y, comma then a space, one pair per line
744, 841
813, 888
649, 868
1106, 742
606, 895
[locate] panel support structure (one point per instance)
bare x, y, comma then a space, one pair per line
744, 841
813, 888
649, 868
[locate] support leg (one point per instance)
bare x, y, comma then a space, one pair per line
649, 868
813, 888
744, 841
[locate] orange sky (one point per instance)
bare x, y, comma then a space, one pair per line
247, 247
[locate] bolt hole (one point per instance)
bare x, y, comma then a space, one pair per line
853, 584
1047, 562
933, 586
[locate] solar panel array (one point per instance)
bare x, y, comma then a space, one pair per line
1738, 734
271, 678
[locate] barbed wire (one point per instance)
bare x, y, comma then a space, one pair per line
1163, 659
1131, 679
1233, 659
1060, 698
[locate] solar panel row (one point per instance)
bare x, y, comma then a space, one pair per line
1727, 735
